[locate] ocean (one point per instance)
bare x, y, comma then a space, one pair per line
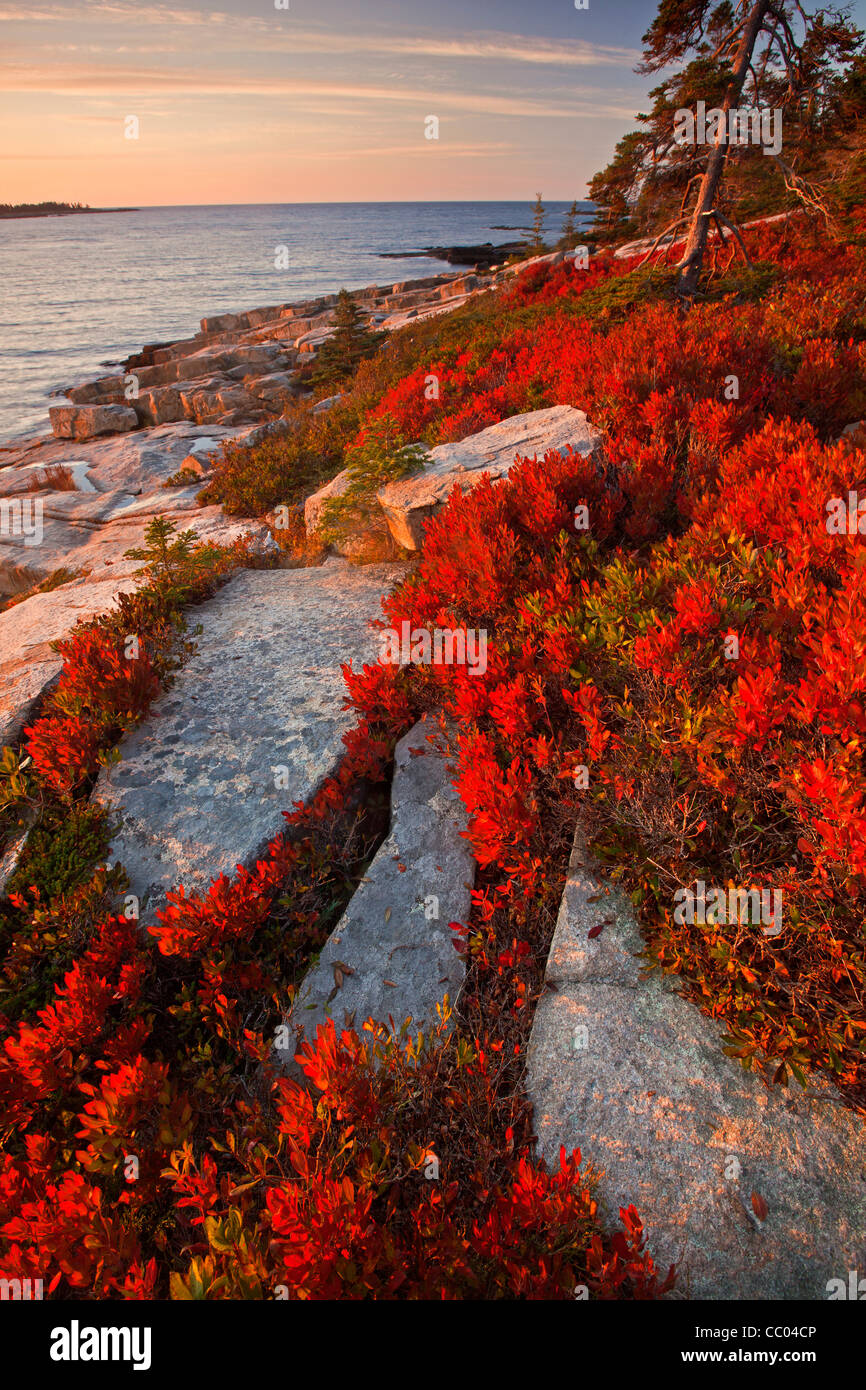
79, 294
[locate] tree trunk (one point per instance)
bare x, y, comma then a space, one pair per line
693, 256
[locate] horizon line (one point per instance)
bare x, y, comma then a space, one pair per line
320, 202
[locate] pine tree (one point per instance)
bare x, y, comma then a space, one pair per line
569, 228
539, 213
339, 356
770, 55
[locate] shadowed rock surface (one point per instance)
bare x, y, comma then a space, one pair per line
196, 788
401, 955
680, 1129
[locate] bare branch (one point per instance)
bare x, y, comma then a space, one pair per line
694, 178
720, 219
808, 194
670, 228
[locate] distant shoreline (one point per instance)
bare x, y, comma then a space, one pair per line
59, 212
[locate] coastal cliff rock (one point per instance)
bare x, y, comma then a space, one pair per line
87, 421
253, 724
240, 368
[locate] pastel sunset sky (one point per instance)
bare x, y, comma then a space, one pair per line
240, 102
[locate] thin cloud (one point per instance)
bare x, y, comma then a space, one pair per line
133, 82
495, 47
493, 150
480, 45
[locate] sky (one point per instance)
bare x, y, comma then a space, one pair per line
238, 101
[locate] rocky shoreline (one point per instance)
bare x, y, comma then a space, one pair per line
74, 502
239, 368
100, 476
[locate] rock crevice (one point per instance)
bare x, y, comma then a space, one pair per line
392, 954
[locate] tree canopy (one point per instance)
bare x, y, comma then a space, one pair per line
803, 67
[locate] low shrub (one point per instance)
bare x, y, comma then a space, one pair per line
380, 455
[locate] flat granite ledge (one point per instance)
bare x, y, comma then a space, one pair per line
625, 1069
392, 956
254, 723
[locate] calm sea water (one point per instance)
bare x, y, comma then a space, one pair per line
78, 294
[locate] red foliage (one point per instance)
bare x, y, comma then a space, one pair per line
101, 691
606, 651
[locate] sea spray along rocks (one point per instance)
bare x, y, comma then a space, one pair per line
756, 1193
392, 953
254, 723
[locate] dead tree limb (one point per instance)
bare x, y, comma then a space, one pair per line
807, 193
651, 252
720, 218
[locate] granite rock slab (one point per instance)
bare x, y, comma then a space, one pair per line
394, 936
409, 503
625, 1069
259, 703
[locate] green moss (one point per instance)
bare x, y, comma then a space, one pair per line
62, 851
613, 300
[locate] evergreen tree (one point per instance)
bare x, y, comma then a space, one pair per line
754, 55
569, 228
539, 213
339, 356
